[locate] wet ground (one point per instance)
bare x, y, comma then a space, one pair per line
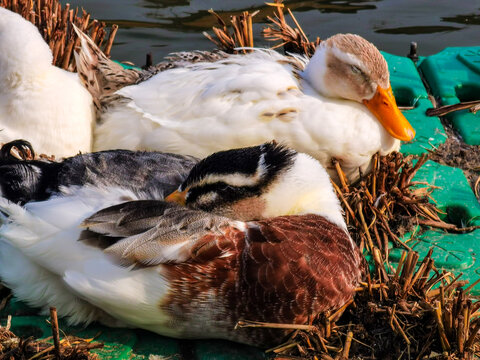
164, 26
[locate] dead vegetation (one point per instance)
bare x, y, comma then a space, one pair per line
472, 106
53, 20
13, 347
292, 39
241, 37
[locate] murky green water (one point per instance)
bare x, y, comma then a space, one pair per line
164, 26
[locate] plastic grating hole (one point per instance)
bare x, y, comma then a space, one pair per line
458, 215
467, 92
404, 97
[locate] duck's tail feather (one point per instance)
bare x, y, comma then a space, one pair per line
39, 287
100, 75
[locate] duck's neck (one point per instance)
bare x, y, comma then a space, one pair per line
314, 73
305, 189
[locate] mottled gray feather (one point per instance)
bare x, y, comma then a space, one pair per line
172, 234
149, 175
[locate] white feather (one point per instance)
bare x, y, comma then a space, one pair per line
39, 102
304, 189
41, 288
45, 264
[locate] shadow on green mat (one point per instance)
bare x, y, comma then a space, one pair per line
123, 344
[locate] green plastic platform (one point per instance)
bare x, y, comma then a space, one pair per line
410, 92
452, 252
454, 76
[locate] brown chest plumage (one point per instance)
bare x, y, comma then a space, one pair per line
279, 270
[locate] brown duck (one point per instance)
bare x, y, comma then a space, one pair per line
261, 237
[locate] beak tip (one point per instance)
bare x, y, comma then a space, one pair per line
384, 107
411, 134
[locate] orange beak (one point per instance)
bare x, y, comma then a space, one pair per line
385, 109
177, 197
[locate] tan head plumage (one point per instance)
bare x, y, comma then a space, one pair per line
374, 63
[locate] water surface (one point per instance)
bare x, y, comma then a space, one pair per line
164, 26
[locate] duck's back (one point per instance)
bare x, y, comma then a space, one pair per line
150, 175
204, 107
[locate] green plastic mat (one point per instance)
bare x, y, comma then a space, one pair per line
454, 76
451, 252
410, 92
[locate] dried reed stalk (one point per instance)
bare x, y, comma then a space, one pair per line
293, 39
242, 37
386, 203
472, 106
53, 20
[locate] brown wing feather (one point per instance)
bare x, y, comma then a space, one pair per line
306, 253
280, 270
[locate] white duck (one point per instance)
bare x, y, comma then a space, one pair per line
183, 272
39, 102
339, 104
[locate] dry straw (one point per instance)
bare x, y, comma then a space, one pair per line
68, 348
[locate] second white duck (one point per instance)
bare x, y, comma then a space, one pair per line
339, 104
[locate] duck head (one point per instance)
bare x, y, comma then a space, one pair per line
349, 67
260, 182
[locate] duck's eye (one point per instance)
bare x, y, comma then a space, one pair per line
355, 69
